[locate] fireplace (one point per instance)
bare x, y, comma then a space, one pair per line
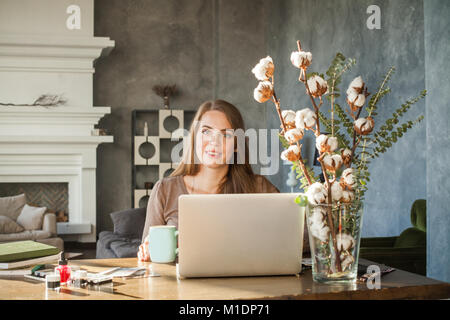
52, 144
54, 196
71, 160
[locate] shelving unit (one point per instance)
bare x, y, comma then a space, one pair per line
151, 153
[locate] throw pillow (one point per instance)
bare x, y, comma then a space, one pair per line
8, 225
31, 217
129, 222
11, 207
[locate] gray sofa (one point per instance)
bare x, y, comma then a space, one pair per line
124, 241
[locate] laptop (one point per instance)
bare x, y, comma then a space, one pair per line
229, 235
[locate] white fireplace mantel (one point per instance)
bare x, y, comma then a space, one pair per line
49, 121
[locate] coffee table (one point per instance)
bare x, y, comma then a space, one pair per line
395, 285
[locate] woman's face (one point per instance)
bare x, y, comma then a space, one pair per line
214, 140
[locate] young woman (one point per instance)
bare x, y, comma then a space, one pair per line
207, 167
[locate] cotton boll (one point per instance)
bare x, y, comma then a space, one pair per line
332, 143
305, 118
347, 196
288, 117
356, 101
316, 193
356, 97
317, 224
332, 162
293, 135
326, 144
344, 241
364, 126
346, 261
301, 59
264, 69
318, 215
317, 86
291, 154
320, 232
346, 155
356, 85
348, 179
263, 92
360, 100
336, 191
352, 95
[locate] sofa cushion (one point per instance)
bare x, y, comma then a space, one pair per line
129, 222
40, 234
12, 206
126, 249
7, 225
25, 235
108, 237
31, 217
114, 245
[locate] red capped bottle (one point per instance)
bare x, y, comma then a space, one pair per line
63, 269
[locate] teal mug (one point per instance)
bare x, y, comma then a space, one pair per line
162, 244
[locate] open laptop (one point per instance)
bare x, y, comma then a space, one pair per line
239, 235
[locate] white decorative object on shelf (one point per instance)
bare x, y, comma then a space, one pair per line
139, 194
163, 115
138, 158
145, 130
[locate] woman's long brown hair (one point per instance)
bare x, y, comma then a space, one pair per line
240, 177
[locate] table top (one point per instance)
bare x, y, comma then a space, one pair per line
395, 285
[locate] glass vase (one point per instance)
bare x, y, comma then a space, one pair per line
334, 237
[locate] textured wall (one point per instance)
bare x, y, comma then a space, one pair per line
437, 29
205, 47
324, 28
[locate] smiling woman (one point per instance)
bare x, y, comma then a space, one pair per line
211, 164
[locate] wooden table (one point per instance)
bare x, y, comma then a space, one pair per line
396, 285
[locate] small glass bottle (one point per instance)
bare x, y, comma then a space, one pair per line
63, 269
52, 282
79, 278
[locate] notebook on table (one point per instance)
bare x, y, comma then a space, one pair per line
23, 250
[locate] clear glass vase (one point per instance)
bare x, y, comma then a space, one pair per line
334, 237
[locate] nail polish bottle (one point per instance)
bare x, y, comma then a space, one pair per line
63, 269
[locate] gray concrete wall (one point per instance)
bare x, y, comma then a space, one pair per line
207, 48
324, 28
437, 29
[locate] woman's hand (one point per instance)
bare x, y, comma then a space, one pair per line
143, 254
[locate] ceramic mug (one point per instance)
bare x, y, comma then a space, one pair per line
162, 244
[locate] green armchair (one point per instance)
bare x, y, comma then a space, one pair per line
406, 251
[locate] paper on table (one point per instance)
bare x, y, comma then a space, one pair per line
17, 272
128, 272
29, 262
